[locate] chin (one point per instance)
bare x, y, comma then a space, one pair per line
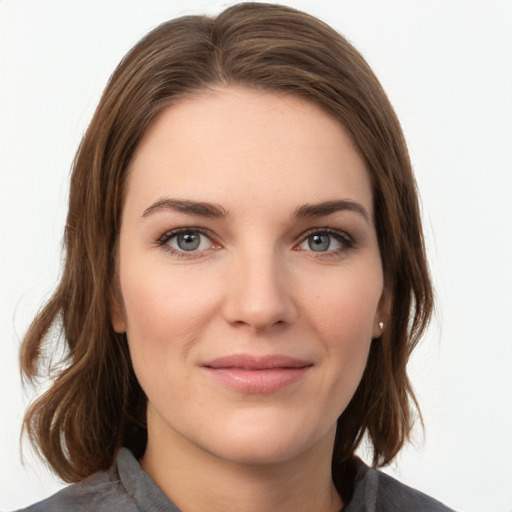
266, 442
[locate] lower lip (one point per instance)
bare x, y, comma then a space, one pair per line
257, 381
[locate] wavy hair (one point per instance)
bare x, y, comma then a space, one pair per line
95, 404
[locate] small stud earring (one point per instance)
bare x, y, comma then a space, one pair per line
381, 325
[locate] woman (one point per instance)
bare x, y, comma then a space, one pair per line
245, 279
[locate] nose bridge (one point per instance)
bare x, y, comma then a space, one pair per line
259, 292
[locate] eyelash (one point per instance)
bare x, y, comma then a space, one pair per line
169, 235
343, 238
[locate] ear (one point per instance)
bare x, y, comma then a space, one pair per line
381, 314
116, 307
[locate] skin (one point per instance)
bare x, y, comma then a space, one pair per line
256, 285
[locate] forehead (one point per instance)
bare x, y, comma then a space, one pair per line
240, 144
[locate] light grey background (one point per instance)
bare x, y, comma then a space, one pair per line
447, 67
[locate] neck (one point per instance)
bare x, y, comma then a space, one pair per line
196, 480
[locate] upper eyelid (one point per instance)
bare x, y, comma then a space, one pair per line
327, 230
176, 231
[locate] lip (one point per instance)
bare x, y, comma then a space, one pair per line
245, 373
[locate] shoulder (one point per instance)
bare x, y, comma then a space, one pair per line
377, 492
101, 492
125, 487
393, 493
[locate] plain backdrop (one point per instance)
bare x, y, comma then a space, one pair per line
447, 67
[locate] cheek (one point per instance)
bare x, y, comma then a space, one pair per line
343, 317
347, 306
165, 313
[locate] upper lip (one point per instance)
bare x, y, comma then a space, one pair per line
249, 362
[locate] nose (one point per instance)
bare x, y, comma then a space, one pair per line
259, 293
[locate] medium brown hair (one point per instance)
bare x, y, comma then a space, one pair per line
95, 404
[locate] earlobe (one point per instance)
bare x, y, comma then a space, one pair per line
381, 316
117, 315
118, 324
378, 330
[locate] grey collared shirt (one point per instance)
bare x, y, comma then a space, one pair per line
125, 487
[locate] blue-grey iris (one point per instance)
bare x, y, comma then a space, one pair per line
188, 241
319, 243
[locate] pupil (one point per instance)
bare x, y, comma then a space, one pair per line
319, 242
188, 242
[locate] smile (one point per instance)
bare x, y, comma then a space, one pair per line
257, 375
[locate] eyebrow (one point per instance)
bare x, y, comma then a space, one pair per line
205, 209
189, 207
329, 207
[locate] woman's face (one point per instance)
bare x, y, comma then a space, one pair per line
249, 272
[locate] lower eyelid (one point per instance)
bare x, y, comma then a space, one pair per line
183, 254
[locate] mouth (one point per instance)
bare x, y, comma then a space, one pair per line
257, 375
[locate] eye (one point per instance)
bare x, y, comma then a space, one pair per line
186, 240
326, 241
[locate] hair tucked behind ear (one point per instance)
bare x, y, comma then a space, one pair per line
95, 404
